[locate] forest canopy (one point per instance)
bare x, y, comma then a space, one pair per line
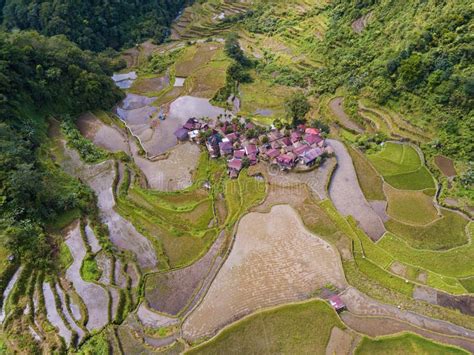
42, 77
94, 25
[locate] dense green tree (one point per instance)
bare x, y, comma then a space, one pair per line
297, 106
42, 77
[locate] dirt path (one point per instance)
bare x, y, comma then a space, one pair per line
347, 196
361, 23
336, 107
362, 305
274, 260
375, 326
94, 296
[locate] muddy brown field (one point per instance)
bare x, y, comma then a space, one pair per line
446, 165
171, 292
274, 260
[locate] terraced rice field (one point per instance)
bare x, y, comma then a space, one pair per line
452, 263
174, 291
410, 207
100, 178
392, 123
257, 275
446, 232
404, 343
203, 20
94, 296
274, 331
108, 137
402, 167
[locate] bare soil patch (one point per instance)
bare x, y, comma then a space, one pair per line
339, 343
465, 304
361, 23
380, 326
347, 196
398, 268
171, 292
446, 165
336, 106
425, 294
274, 260
110, 138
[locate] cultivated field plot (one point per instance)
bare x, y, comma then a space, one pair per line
402, 167
445, 165
369, 180
407, 343
270, 263
410, 207
171, 292
173, 173
298, 328
392, 123
443, 233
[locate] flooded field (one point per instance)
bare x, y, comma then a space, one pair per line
347, 196
110, 138
124, 81
157, 136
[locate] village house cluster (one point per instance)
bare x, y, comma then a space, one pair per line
244, 144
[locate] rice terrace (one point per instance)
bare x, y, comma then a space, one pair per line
237, 176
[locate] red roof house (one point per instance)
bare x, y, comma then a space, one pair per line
301, 149
250, 149
337, 303
312, 139
312, 131
273, 153
295, 137
235, 164
286, 161
239, 154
